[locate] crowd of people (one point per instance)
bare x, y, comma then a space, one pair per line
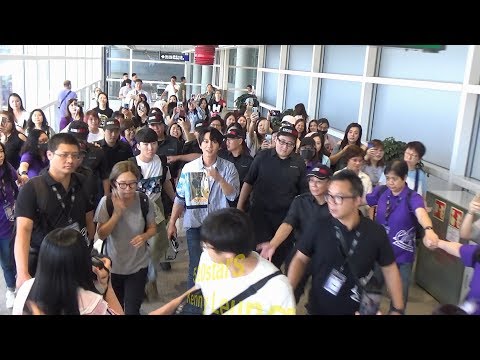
253, 198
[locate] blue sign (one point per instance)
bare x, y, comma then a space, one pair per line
186, 57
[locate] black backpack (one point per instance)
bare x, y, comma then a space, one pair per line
419, 231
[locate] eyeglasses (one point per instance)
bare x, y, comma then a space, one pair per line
73, 156
123, 186
412, 155
337, 199
285, 143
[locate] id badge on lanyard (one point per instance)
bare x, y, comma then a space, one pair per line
334, 282
9, 211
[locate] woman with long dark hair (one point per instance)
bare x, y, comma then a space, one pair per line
353, 136
20, 115
11, 138
34, 155
67, 282
38, 120
8, 194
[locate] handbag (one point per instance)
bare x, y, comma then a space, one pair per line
194, 303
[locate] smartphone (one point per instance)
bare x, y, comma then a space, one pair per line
370, 303
98, 264
180, 104
174, 243
255, 109
268, 137
125, 106
370, 145
274, 112
81, 103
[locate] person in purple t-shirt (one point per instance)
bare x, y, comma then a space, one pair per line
8, 194
399, 213
470, 256
34, 157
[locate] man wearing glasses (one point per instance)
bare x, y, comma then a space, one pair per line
343, 250
54, 199
275, 177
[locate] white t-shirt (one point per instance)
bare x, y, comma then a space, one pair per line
171, 90
96, 137
218, 286
152, 172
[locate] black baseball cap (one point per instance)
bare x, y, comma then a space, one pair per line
79, 129
235, 133
288, 130
111, 124
321, 172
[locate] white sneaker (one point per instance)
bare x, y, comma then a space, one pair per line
10, 298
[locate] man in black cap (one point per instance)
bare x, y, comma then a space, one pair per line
304, 212
114, 149
275, 177
94, 159
237, 153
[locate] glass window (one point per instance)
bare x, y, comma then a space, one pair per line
146, 55
42, 50
11, 49
230, 99
217, 56
270, 83
81, 73
157, 71
272, 56
300, 57
447, 65
57, 50
232, 57
410, 114
56, 78
43, 89
116, 68
30, 49
344, 59
231, 77
30, 101
71, 73
297, 91
72, 50
81, 51
339, 102
11, 77
117, 52
475, 150
88, 51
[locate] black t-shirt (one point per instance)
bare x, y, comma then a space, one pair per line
12, 150
304, 212
276, 181
121, 151
242, 164
49, 214
95, 159
170, 146
321, 245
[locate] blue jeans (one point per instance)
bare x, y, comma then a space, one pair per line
194, 253
405, 274
7, 262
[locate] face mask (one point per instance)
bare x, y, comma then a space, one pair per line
307, 154
43, 147
324, 132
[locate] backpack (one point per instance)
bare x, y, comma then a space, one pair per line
419, 230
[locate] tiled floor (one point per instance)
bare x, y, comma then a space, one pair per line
172, 283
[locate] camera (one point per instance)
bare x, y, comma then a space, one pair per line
81, 103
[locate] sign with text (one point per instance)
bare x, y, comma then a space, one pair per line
173, 56
439, 210
456, 217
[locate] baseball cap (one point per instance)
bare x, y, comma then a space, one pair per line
79, 129
235, 133
288, 130
156, 118
146, 135
111, 124
290, 119
321, 172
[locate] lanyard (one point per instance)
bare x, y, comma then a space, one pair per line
60, 200
389, 210
343, 245
4, 191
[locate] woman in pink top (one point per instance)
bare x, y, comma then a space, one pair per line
66, 281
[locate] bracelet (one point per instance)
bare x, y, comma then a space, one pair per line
428, 228
400, 311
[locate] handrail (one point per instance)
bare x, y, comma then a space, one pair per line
76, 90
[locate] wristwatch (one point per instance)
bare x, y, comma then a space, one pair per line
394, 309
23, 173
428, 228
